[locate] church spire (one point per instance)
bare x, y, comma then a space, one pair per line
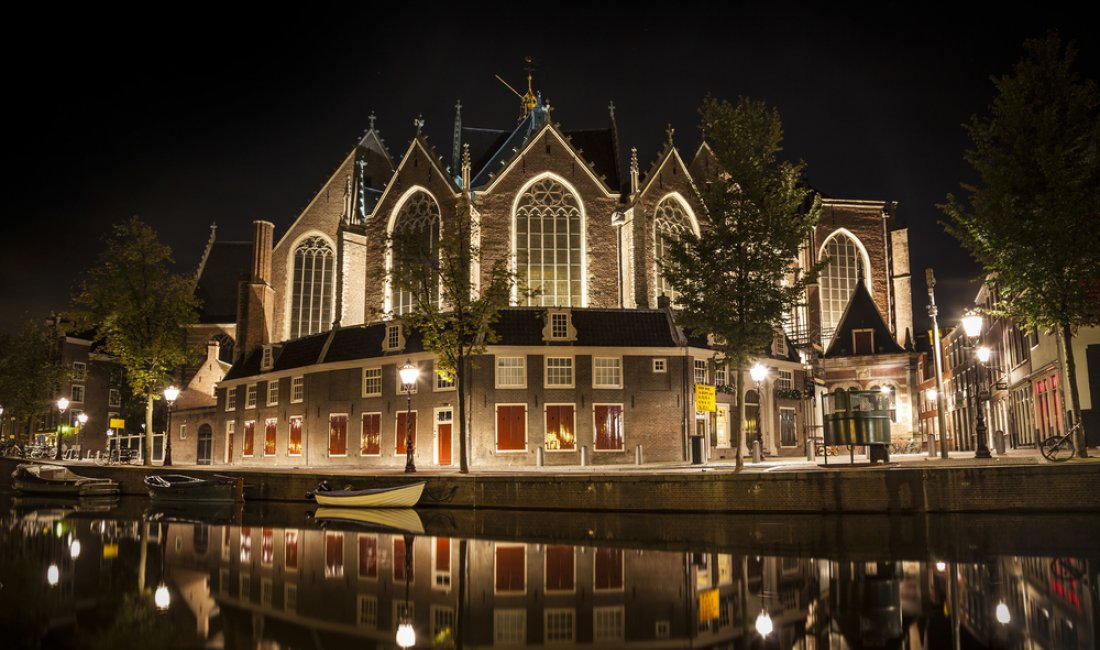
634, 175
456, 145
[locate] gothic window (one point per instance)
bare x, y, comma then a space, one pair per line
312, 287
838, 280
670, 223
416, 225
548, 244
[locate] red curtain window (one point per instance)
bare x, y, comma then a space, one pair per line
294, 446
267, 547
371, 443
291, 554
368, 556
511, 428
246, 545
609, 568
399, 551
402, 432
560, 429
609, 426
337, 435
334, 554
511, 568
249, 438
559, 568
269, 437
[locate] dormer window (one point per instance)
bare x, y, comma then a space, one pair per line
863, 341
559, 326
268, 360
394, 341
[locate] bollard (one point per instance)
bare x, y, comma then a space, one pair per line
756, 457
539, 458
809, 450
638, 455
584, 455
999, 442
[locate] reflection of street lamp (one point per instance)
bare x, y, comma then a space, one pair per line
1004, 617
409, 374
82, 419
758, 373
53, 575
764, 623
170, 395
406, 634
74, 549
62, 406
972, 325
161, 598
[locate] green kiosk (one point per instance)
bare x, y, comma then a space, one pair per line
856, 418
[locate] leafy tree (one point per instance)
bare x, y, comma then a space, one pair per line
29, 372
138, 307
739, 277
1033, 218
453, 309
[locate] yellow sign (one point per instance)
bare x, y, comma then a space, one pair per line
110, 551
704, 398
708, 605
118, 423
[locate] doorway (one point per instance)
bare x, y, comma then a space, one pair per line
444, 419
205, 445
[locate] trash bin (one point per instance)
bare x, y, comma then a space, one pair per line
696, 450
999, 442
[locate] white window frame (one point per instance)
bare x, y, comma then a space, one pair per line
522, 368
290, 425
361, 415
546, 372
183, 431
415, 432
695, 367
859, 330
268, 359
517, 630
660, 365
231, 398
250, 395
244, 429
618, 610
545, 415
76, 392
439, 384
391, 342
328, 436
595, 372
556, 611
359, 556
273, 392
231, 430
361, 602
378, 370
559, 325
721, 375
274, 421
80, 371
297, 389
784, 379
780, 427
114, 398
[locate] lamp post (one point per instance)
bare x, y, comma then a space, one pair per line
170, 395
62, 406
972, 325
409, 374
759, 372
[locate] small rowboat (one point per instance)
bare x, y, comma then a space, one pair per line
404, 496
177, 487
30, 478
401, 519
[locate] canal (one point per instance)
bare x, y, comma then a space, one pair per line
125, 574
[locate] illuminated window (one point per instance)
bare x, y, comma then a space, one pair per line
311, 287
559, 325
372, 382
273, 392
250, 397
559, 372
371, 439
560, 625
607, 372
270, 427
297, 389
838, 281
560, 428
294, 442
548, 244
511, 372
231, 399
249, 438
700, 371
670, 224
417, 225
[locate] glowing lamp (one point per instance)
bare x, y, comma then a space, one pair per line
162, 598
74, 549
758, 372
53, 575
406, 635
932, 394
409, 373
1004, 617
972, 324
764, 623
984, 353
171, 393
62, 404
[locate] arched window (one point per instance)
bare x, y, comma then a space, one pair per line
670, 222
416, 225
311, 290
548, 244
838, 280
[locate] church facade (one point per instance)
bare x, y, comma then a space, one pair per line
592, 370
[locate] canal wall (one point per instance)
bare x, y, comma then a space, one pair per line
1073, 487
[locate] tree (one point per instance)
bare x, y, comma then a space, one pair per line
452, 310
1031, 220
138, 307
739, 277
30, 371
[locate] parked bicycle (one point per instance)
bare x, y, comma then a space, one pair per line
1059, 448
118, 456
910, 446
826, 450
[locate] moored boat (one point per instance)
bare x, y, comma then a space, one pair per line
177, 487
32, 478
400, 519
402, 496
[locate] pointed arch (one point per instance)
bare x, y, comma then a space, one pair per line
672, 216
311, 276
845, 253
416, 211
548, 242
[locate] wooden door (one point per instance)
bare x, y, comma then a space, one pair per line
443, 422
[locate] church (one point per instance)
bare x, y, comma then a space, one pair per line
305, 336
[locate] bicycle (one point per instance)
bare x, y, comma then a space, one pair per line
1059, 448
118, 456
910, 446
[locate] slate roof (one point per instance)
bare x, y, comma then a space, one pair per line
483, 144
861, 313
228, 263
598, 147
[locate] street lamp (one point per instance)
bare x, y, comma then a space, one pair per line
62, 406
972, 325
759, 372
409, 374
170, 395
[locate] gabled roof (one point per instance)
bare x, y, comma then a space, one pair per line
598, 147
225, 264
484, 144
509, 148
862, 313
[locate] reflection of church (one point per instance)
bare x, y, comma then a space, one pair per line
592, 370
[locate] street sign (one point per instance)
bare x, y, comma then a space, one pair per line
708, 605
704, 398
118, 423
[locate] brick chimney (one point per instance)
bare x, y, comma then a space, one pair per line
256, 297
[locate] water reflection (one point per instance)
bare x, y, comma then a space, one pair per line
89, 579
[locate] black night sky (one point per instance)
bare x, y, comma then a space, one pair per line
228, 118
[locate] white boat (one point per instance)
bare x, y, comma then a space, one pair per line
32, 478
403, 496
402, 519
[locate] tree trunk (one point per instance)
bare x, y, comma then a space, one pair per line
147, 457
739, 421
1074, 395
460, 379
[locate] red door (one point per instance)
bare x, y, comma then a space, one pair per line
229, 446
443, 420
